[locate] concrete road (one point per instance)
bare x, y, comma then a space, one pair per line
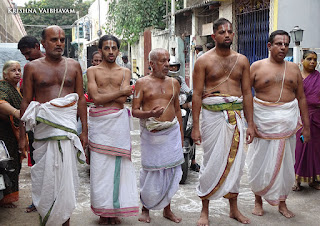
186, 203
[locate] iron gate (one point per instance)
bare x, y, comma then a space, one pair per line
253, 28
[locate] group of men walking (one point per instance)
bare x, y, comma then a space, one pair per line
222, 80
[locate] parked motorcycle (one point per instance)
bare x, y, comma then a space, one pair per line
189, 146
5, 159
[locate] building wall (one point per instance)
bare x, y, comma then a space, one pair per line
194, 2
93, 14
160, 39
137, 56
225, 10
11, 27
304, 14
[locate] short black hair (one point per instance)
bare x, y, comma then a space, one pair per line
209, 45
28, 41
277, 32
307, 52
219, 22
125, 57
199, 47
43, 34
106, 38
94, 53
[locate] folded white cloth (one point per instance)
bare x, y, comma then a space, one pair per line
223, 135
54, 174
161, 157
271, 157
111, 168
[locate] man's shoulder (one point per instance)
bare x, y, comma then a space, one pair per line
260, 63
143, 79
292, 65
125, 69
72, 61
240, 55
34, 64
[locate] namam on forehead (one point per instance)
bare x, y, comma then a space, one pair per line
56, 30
226, 27
110, 43
283, 39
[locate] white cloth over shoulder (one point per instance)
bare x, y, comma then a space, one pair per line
271, 156
161, 157
54, 175
222, 131
113, 182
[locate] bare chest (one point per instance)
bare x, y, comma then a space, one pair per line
48, 77
216, 74
270, 78
159, 91
109, 81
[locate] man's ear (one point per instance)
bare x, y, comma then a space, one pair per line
37, 46
269, 45
213, 37
42, 42
151, 63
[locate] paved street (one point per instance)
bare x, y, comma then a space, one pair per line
304, 204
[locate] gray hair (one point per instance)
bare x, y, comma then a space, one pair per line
153, 55
7, 65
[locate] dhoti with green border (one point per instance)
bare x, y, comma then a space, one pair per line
57, 148
113, 182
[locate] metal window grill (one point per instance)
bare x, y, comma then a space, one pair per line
253, 28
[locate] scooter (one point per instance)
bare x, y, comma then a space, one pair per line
5, 159
189, 146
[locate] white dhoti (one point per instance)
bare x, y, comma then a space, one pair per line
54, 175
222, 132
161, 159
112, 175
271, 156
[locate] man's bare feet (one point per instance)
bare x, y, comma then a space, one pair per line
109, 220
284, 210
8, 205
167, 213
203, 220
204, 216
104, 220
114, 220
144, 216
237, 215
258, 210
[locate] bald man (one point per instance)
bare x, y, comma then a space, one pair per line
55, 83
156, 103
